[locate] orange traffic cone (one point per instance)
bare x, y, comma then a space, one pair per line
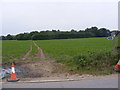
13, 77
117, 66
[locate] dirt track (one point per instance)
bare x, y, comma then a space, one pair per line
26, 56
41, 68
40, 53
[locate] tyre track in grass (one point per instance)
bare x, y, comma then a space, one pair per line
26, 56
40, 53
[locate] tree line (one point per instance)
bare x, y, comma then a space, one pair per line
57, 34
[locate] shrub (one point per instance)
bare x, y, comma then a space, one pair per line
101, 61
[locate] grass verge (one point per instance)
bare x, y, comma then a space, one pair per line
95, 63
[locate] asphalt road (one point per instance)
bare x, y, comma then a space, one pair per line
110, 82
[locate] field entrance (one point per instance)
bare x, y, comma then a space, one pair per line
32, 63
60, 58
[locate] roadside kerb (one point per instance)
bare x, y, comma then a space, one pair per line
44, 81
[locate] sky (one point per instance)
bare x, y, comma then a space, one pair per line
19, 16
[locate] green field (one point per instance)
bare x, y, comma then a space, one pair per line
12, 49
84, 55
73, 47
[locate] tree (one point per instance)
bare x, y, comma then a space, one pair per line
20, 36
57, 34
103, 32
9, 37
27, 36
2, 38
73, 31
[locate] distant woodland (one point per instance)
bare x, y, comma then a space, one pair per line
57, 34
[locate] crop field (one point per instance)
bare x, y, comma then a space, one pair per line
12, 49
55, 48
73, 47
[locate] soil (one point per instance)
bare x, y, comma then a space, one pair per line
41, 69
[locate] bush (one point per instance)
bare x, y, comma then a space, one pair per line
97, 58
96, 61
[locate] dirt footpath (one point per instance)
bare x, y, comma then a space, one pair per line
40, 53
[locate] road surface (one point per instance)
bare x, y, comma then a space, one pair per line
109, 82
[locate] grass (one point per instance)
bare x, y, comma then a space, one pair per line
14, 49
73, 47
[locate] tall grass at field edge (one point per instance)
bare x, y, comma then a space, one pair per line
92, 62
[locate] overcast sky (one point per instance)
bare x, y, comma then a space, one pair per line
20, 16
